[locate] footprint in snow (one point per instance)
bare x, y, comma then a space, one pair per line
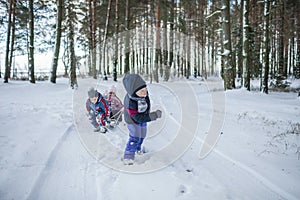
182, 189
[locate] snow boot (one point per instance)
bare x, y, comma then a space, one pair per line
128, 161
102, 129
141, 151
97, 129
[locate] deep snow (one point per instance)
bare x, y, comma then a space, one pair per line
47, 145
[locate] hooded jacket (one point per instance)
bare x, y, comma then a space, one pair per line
136, 109
101, 107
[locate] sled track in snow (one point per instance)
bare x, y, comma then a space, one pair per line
40, 181
263, 180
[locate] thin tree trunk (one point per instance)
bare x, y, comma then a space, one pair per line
104, 40
127, 39
57, 41
94, 5
116, 42
281, 45
267, 46
13, 30
157, 58
297, 68
7, 64
31, 42
241, 44
247, 46
229, 79
71, 36
90, 38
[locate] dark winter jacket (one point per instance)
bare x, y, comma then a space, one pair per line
101, 107
136, 109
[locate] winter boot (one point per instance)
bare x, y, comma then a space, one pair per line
96, 129
128, 161
102, 129
141, 151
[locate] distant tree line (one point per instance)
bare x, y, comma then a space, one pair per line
237, 40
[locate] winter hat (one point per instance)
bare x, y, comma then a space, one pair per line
113, 89
133, 83
92, 92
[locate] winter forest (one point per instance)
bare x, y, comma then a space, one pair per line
222, 78
236, 40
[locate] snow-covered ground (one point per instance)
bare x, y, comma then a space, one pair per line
49, 151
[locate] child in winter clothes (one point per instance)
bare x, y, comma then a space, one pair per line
98, 110
115, 104
136, 114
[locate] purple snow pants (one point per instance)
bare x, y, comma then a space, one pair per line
137, 133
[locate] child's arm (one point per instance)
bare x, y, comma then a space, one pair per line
143, 117
87, 105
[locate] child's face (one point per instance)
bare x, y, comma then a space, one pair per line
142, 92
94, 100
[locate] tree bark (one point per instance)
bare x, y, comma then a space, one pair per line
115, 74
93, 50
157, 58
71, 35
104, 40
228, 78
127, 39
297, 68
31, 42
8, 35
12, 44
247, 46
241, 44
58, 40
267, 46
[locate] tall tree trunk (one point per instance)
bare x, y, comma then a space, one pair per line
127, 39
241, 43
229, 78
116, 42
157, 58
247, 46
60, 4
31, 42
166, 67
297, 68
104, 40
71, 36
90, 39
8, 35
267, 46
281, 45
94, 28
13, 30
171, 38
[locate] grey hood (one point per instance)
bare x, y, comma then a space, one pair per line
133, 83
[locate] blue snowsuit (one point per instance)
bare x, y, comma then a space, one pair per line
98, 111
136, 114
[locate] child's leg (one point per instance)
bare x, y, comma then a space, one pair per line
93, 120
131, 148
143, 135
101, 119
132, 144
